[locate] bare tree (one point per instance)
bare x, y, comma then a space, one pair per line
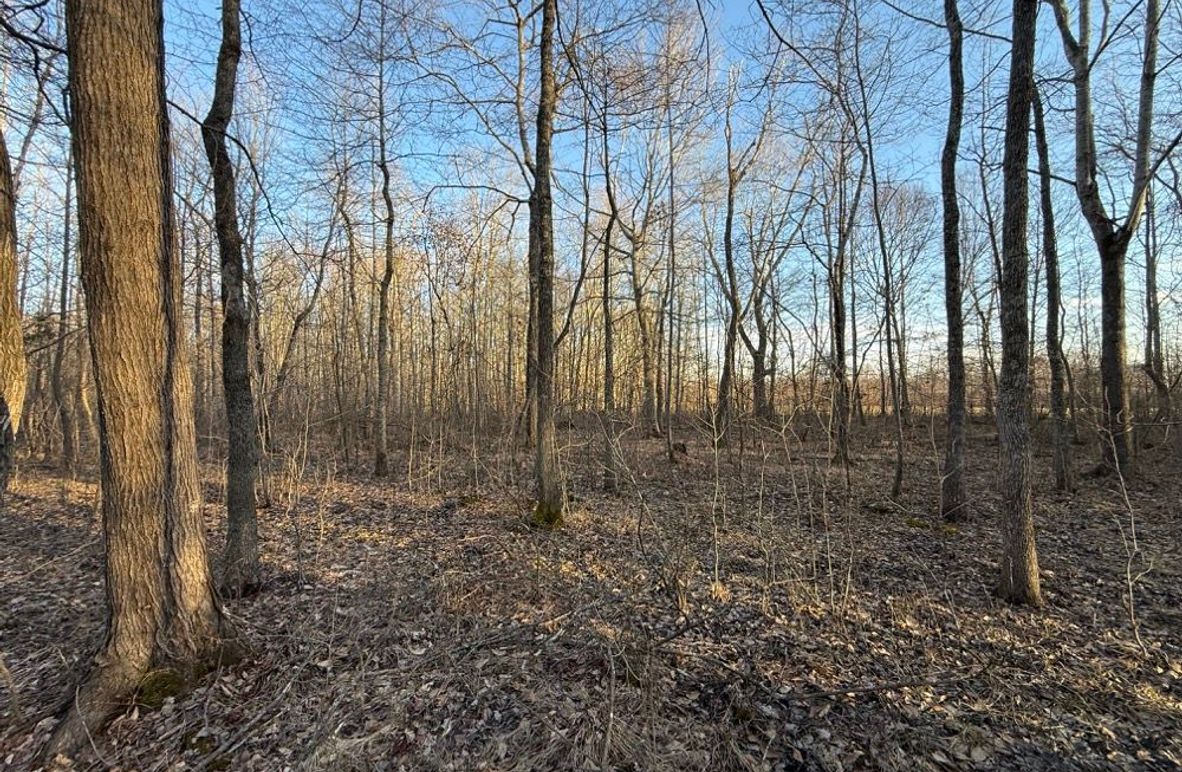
65, 416
240, 568
163, 620
1019, 582
1111, 234
548, 510
381, 466
738, 165
1061, 430
952, 490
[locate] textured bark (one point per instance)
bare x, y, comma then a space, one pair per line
549, 506
952, 491
1019, 581
1061, 439
162, 613
240, 561
13, 367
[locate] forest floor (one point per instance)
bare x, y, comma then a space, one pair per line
739, 611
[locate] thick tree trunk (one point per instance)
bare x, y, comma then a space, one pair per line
760, 398
240, 568
648, 371
1061, 432
1019, 581
13, 369
952, 490
548, 510
1117, 450
162, 614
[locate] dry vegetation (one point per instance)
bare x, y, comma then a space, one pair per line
732, 612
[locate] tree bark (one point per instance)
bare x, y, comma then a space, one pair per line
13, 368
1112, 236
240, 570
1019, 581
162, 613
549, 506
952, 490
1061, 432
381, 465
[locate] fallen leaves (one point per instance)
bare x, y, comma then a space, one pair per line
679, 626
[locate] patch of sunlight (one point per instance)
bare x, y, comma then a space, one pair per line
364, 534
1154, 698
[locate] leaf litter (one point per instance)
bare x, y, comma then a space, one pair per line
734, 612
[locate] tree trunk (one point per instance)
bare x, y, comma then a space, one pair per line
61, 401
1019, 581
548, 510
381, 464
13, 368
723, 409
1061, 441
1154, 359
1112, 236
163, 620
888, 292
952, 490
240, 568
610, 470
836, 274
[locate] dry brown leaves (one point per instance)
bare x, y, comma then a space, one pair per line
734, 612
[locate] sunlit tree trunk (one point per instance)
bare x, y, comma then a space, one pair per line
13, 368
610, 470
163, 621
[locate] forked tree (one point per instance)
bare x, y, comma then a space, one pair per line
163, 621
1111, 233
